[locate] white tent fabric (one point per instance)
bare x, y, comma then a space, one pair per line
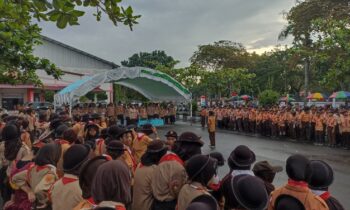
154, 85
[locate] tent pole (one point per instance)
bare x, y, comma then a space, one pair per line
70, 109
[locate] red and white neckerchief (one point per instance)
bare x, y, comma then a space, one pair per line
297, 183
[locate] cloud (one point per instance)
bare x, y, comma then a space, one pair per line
178, 27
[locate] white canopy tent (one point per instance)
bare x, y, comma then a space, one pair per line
154, 85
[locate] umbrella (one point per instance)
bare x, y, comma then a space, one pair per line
340, 95
245, 97
317, 96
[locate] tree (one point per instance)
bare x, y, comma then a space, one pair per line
19, 35
334, 51
300, 25
220, 55
49, 95
151, 60
268, 98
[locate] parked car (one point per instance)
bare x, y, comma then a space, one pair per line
39, 105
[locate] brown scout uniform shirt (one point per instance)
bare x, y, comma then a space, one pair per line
39, 179
142, 196
64, 147
170, 169
211, 124
140, 146
303, 194
66, 193
189, 192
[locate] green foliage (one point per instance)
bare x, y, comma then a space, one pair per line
220, 55
19, 35
49, 96
194, 107
268, 97
100, 96
151, 60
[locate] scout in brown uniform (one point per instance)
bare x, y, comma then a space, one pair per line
87, 174
297, 187
306, 124
64, 144
142, 140
345, 127
172, 113
331, 123
171, 137
320, 177
111, 186
66, 192
200, 170
25, 135
211, 128
120, 111
319, 132
267, 174
203, 116
37, 180
170, 175
110, 112
142, 190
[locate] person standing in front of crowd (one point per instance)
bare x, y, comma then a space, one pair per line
212, 128
142, 190
111, 186
297, 186
170, 175
66, 192
172, 113
201, 170
203, 116
37, 180
320, 177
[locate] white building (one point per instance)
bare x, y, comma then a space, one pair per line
74, 63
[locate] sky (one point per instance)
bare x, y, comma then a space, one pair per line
178, 27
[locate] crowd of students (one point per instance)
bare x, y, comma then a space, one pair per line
86, 163
319, 125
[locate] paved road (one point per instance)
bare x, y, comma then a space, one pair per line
276, 152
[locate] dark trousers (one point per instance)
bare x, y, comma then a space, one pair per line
164, 205
121, 119
212, 138
319, 137
203, 121
346, 139
246, 125
305, 131
331, 136
172, 119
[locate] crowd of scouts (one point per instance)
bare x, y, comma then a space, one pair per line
319, 125
85, 163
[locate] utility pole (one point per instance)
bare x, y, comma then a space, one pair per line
306, 83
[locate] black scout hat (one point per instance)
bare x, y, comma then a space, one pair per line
319, 175
171, 134
287, 202
115, 146
190, 138
296, 167
156, 146
203, 202
75, 156
241, 156
250, 192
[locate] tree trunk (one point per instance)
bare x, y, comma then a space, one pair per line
306, 85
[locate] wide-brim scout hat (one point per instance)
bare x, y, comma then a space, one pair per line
171, 134
242, 156
156, 146
190, 137
146, 128
75, 156
264, 166
296, 167
250, 192
319, 175
287, 202
115, 146
203, 202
